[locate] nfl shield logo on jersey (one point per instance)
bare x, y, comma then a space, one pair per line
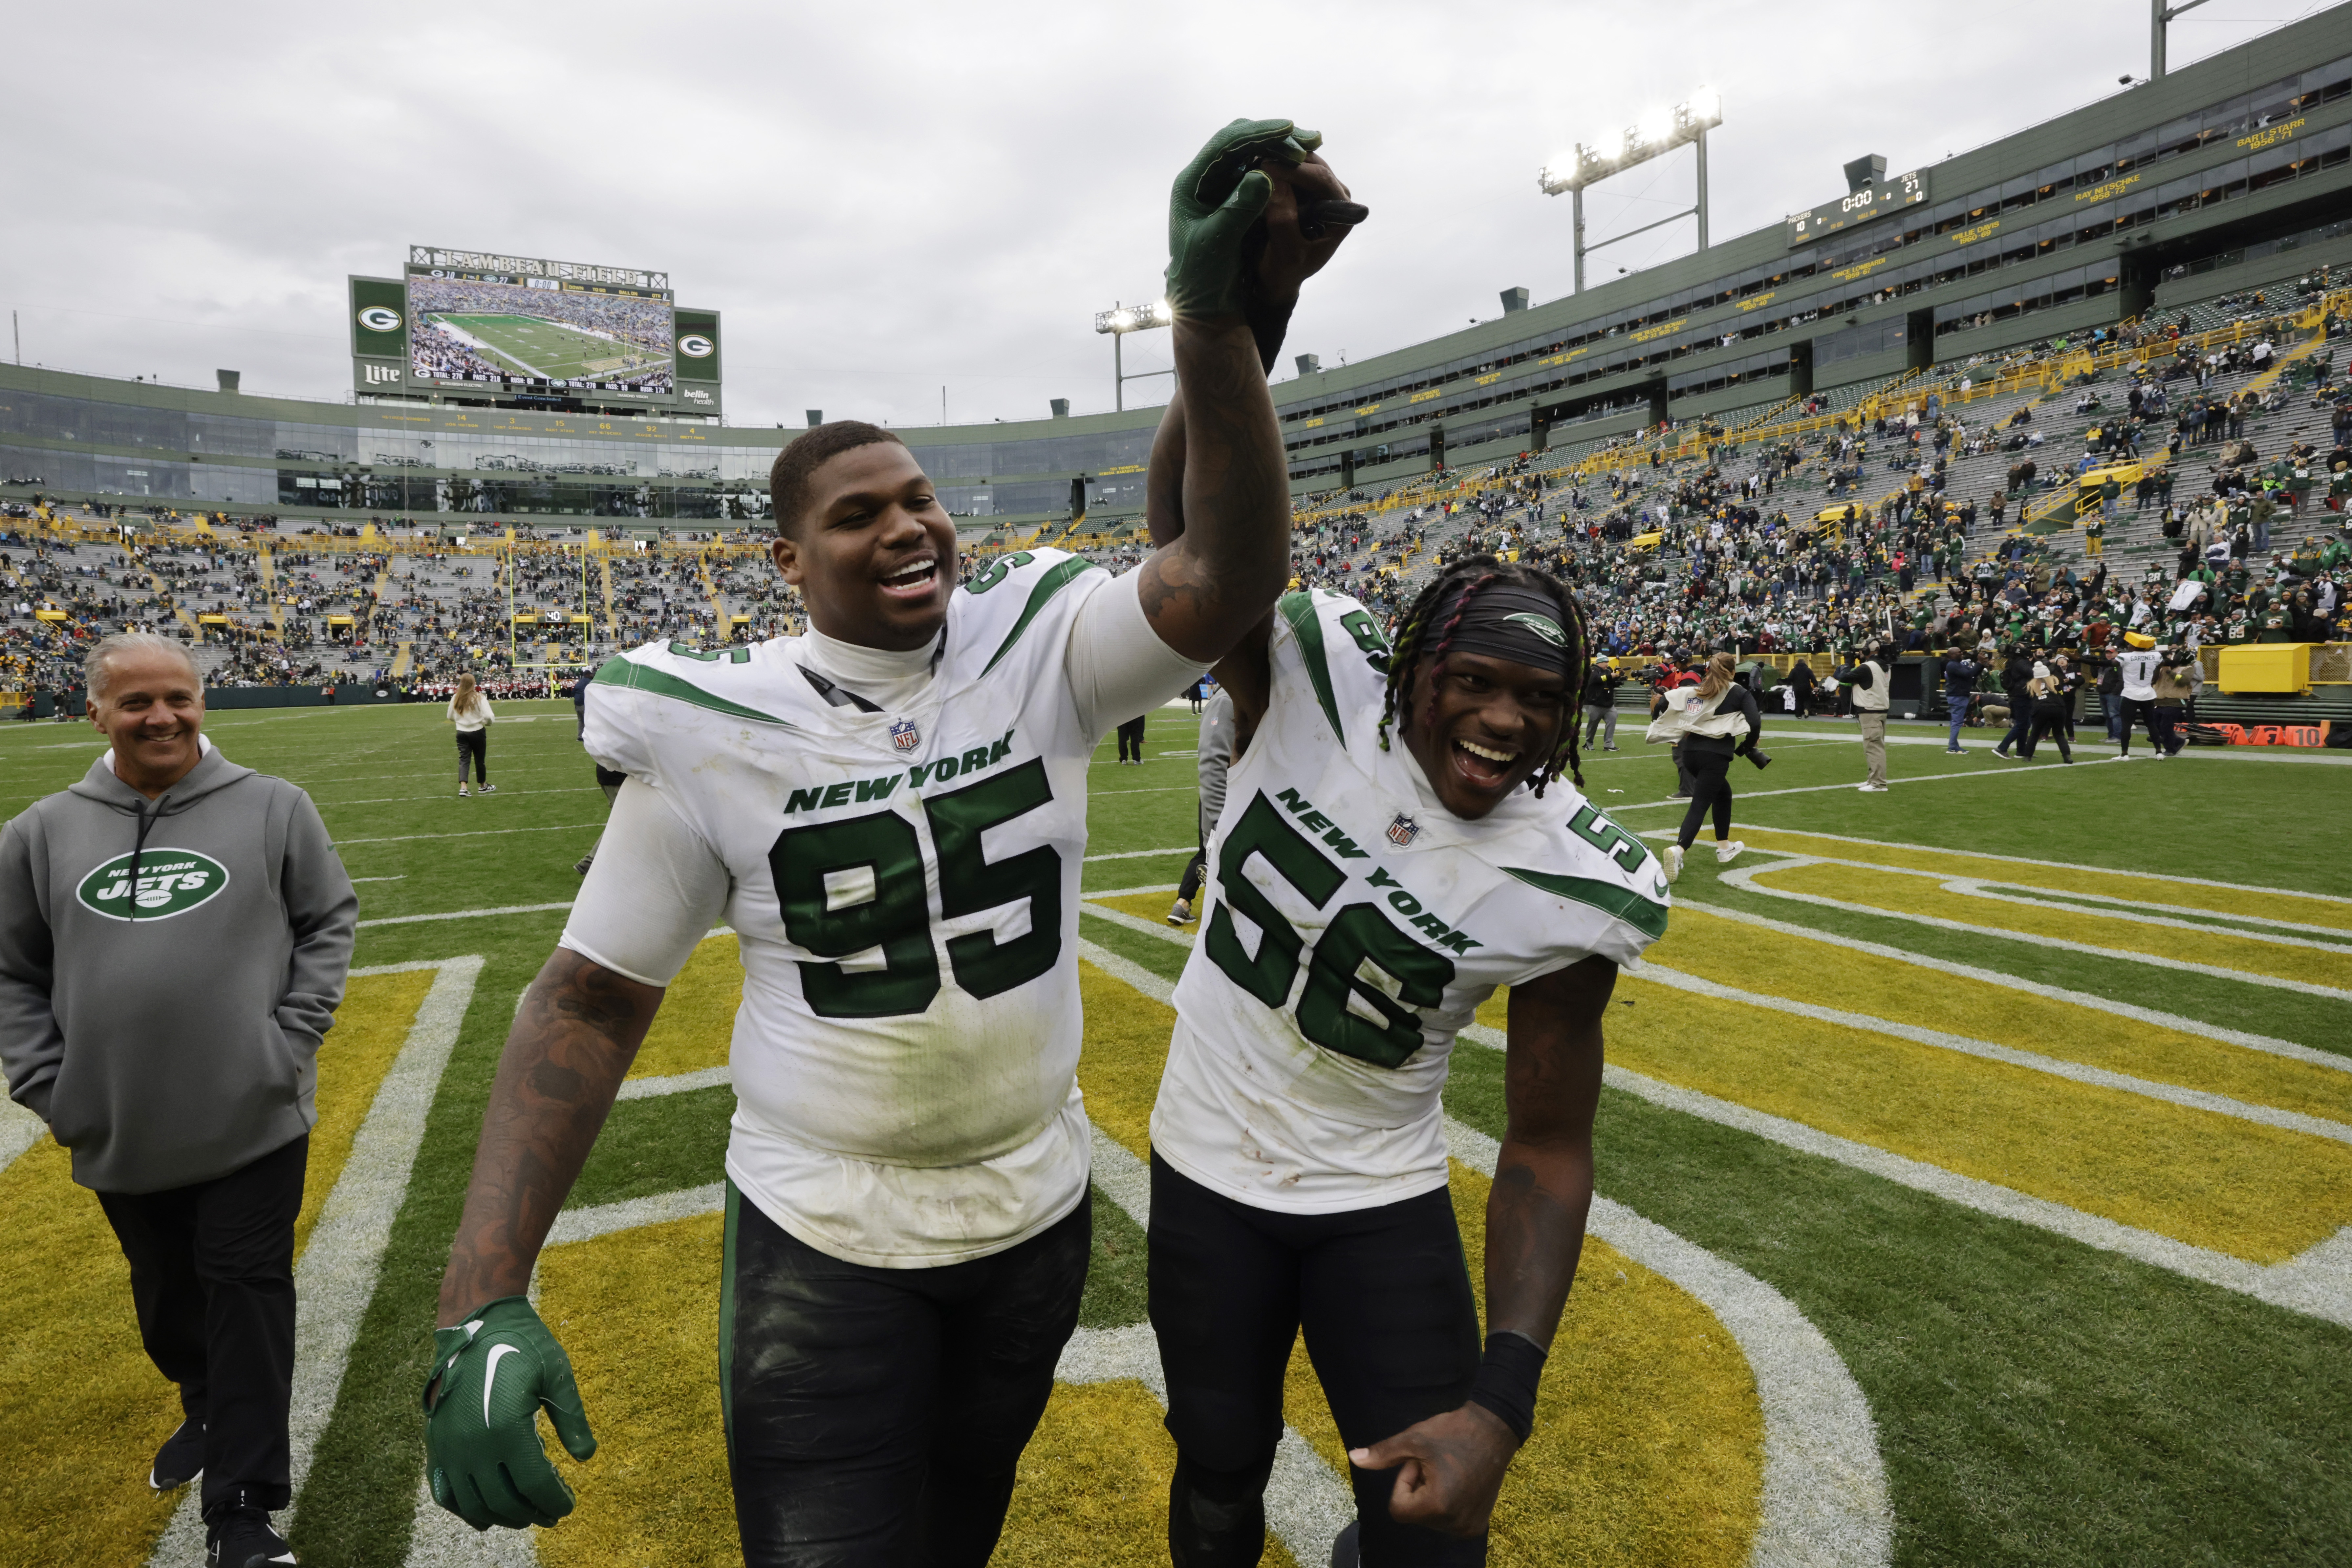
905, 736
1402, 830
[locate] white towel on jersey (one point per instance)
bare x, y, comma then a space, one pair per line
904, 887
1357, 925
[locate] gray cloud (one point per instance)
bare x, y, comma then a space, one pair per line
884, 201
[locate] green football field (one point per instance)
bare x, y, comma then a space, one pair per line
1975, 1167
530, 346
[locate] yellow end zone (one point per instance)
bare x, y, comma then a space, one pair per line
79, 1494
697, 1020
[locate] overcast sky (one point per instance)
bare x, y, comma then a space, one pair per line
888, 200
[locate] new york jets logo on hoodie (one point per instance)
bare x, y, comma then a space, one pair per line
169, 882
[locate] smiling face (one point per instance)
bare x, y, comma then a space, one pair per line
872, 552
151, 711
1481, 726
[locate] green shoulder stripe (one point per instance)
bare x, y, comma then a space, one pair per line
1052, 581
1298, 609
1645, 915
639, 676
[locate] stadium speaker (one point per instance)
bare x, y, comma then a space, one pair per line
1061, 406
228, 379
1864, 173
1513, 300
1309, 363
817, 417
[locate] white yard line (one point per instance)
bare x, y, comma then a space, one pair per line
2317, 1283
1742, 878
2171, 1094
1140, 855
336, 1275
2024, 860
2149, 1016
483, 833
675, 1083
1747, 794
465, 914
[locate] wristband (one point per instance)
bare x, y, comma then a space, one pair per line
1507, 1380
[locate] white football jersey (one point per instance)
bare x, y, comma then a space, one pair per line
1356, 927
904, 891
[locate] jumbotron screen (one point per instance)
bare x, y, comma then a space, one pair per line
522, 324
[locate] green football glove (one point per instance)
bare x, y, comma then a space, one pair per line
1217, 199
482, 1453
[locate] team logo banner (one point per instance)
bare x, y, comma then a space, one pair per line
171, 882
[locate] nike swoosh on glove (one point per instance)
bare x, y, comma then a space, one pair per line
491, 1376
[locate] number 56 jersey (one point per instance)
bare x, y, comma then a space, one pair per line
903, 886
1356, 927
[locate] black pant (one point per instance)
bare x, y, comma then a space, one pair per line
1710, 790
1194, 869
1131, 740
1384, 1298
2137, 712
474, 743
2048, 726
211, 1279
875, 1415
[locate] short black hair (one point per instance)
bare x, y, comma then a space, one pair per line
788, 481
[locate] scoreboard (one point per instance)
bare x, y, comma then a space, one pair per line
1893, 194
525, 331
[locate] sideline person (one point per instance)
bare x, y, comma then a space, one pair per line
1960, 674
471, 713
1130, 741
1866, 682
174, 934
890, 813
1601, 704
2048, 694
2135, 669
1211, 760
1701, 721
1298, 1162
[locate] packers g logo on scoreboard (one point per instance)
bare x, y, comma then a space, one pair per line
694, 345
171, 882
380, 318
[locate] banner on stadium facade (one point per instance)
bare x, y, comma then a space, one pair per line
697, 360
378, 308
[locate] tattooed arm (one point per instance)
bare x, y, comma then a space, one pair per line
571, 1045
1450, 1467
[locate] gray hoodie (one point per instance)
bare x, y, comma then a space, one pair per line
167, 1029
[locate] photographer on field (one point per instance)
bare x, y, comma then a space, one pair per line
1960, 673
1866, 682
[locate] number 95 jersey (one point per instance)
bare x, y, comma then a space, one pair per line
1356, 927
903, 884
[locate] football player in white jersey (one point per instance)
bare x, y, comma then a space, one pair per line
890, 813
1368, 896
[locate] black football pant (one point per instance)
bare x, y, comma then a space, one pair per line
211, 1279
875, 1415
1384, 1295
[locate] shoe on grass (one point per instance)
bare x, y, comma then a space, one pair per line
1181, 913
461, 791
490, 789
1672, 858
585, 861
1866, 788
242, 1537
181, 1459
1727, 850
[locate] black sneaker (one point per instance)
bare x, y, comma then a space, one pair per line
242, 1537
181, 1459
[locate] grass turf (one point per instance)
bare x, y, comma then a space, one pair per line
2037, 1401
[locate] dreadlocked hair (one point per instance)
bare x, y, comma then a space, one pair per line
1417, 638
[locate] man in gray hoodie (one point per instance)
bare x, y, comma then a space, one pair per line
175, 934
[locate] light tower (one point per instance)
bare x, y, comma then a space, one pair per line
1657, 132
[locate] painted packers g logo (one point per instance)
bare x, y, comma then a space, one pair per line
694, 345
171, 882
380, 318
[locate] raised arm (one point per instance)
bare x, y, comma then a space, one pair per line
1219, 492
1450, 1467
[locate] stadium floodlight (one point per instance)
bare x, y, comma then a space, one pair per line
1653, 134
1122, 320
